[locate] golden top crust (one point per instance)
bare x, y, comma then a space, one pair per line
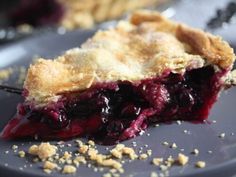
143, 47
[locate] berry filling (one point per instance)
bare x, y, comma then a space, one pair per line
115, 111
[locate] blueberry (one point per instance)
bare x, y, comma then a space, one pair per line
115, 128
56, 119
100, 101
130, 111
185, 99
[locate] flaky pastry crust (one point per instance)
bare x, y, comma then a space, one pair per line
143, 47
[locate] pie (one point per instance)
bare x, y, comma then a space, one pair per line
143, 71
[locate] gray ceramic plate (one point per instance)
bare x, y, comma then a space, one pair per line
221, 162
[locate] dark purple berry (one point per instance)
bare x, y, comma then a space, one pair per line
130, 111
115, 128
56, 119
186, 99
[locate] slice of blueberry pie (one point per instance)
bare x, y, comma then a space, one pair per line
144, 71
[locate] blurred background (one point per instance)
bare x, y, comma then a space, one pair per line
26, 16
22, 18
70, 14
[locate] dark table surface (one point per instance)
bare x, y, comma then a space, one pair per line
193, 12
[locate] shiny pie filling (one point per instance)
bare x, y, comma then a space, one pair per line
115, 111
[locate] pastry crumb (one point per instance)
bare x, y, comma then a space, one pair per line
130, 152
163, 167
49, 165
21, 154
69, 169
173, 146
83, 149
91, 143
79, 142
120, 149
200, 164
80, 159
48, 171
143, 156
170, 160
149, 152
153, 174
33, 150
14, 147
119, 146
157, 161
66, 155
113, 160
43, 151
111, 163
107, 175
116, 153
182, 159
